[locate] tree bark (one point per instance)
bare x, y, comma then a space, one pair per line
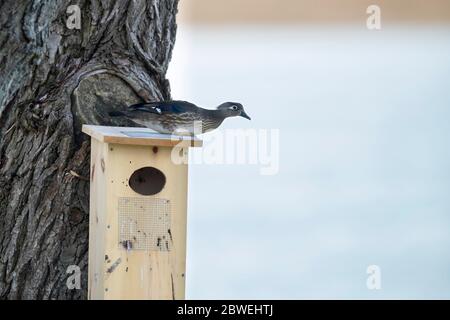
54, 79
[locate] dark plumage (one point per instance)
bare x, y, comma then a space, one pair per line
180, 117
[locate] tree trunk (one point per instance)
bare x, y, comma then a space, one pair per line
54, 79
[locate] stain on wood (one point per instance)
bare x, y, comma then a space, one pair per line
93, 172
173, 287
114, 265
127, 244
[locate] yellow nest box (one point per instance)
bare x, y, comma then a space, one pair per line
138, 204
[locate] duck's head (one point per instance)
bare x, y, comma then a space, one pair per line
233, 109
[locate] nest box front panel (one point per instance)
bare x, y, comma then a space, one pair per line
145, 237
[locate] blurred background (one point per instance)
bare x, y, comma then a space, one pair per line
364, 157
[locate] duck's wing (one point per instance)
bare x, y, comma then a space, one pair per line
164, 107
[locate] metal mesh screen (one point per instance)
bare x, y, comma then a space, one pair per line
144, 224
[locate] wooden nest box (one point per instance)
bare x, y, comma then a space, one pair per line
137, 223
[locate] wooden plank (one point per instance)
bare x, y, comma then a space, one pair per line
138, 136
97, 214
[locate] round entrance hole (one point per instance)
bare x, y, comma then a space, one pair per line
147, 181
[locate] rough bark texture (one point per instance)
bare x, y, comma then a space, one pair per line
53, 79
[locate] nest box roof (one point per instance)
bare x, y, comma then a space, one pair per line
138, 136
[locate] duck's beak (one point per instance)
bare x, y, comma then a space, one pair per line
244, 115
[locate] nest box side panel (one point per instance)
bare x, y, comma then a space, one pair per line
97, 219
145, 248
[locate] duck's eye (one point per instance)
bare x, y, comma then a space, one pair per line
233, 107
